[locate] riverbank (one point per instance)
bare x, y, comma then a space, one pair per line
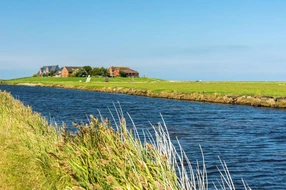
257, 101
258, 94
36, 155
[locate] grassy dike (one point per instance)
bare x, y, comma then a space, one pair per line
259, 94
36, 155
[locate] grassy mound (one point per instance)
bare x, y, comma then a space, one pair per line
36, 155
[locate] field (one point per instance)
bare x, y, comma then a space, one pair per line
275, 89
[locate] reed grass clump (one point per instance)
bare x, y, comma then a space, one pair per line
37, 155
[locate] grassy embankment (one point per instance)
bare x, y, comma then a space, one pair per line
269, 94
157, 85
35, 155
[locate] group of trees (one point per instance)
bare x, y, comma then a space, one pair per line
88, 70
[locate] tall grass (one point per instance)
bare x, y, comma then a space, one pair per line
37, 155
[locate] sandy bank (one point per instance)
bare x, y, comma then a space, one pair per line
30, 84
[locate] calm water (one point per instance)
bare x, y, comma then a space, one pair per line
251, 140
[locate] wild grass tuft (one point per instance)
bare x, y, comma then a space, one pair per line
37, 155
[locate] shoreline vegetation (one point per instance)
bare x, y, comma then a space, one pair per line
37, 155
258, 94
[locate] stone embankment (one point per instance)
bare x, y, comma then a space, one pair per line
257, 101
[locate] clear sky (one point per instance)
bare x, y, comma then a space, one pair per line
176, 40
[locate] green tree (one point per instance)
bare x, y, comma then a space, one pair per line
74, 73
88, 70
122, 74
96, 71
52, 73
82, 73
79, 73
104, 72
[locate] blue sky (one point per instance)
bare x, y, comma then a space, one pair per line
240, 40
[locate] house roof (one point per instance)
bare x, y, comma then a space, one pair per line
112, 67
53, 68
124, 69
128, 70
72, 69
50, 68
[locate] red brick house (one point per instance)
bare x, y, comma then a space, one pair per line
115, 71
68, 70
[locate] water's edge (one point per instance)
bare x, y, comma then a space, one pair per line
256, 101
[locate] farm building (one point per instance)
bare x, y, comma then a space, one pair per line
48, 70
66, 71
115, 71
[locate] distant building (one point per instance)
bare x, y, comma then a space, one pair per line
59, 73
66, 71
115, 71
48, 70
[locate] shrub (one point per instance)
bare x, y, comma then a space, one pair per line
79, 73
122, 74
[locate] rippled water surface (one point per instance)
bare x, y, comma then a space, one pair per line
251, 140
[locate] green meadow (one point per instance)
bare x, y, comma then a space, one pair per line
275, 89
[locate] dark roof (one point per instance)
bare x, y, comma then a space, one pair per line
51, 68
120, 68
124, 69
72, 69
128, 70
54, 68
